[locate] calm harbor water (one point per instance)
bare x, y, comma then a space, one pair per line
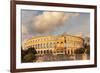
49, 57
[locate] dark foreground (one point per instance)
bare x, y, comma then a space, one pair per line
49, 57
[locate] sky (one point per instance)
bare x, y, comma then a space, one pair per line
41, 23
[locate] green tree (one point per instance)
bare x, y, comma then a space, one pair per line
28, 55
80, 51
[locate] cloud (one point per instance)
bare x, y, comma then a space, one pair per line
49, 21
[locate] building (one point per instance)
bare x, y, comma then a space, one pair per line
62, 44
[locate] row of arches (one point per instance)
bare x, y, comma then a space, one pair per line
70, 51
67, 51
44, 45
44, 51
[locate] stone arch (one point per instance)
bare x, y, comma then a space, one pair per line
68, 52
48, 51
41, 52
45, 52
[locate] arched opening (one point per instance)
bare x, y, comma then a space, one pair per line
44, 51
41, 52
68, 52
48, 51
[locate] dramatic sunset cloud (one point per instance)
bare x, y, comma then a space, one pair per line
42, 23
49, 21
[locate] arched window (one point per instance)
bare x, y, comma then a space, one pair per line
61, 42
47, 45
38, 46
68, 52
44, 45
44, 51
41, 52
41, 45
50, 51
47, 51
51, 44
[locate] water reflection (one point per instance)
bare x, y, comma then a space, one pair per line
50, 57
